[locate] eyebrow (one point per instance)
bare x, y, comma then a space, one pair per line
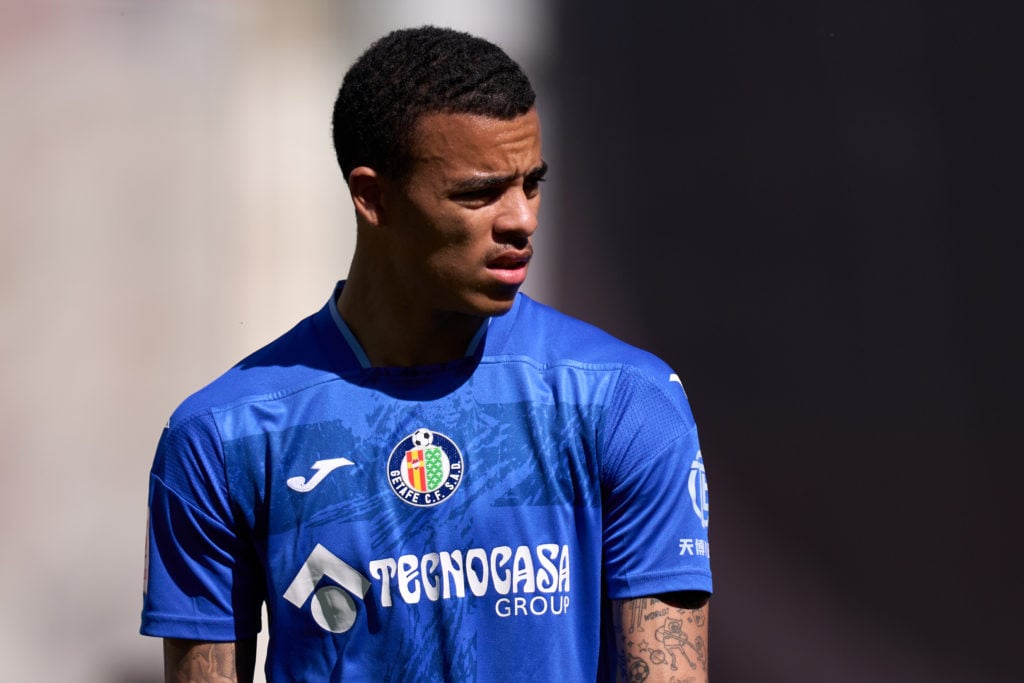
488, 182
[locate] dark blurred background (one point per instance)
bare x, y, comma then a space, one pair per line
812, 211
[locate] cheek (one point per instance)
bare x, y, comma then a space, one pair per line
453, 261
447, 245
460, 236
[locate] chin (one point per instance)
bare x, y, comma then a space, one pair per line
501, 308
492, 303
493, 308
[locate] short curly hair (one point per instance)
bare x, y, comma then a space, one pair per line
412, 72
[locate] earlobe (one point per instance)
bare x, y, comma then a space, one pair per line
364, 184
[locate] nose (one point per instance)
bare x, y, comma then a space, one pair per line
517, 216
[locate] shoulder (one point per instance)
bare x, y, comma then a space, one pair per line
635, 387
552, 337
299, 358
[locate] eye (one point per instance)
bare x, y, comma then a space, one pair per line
478, 198
531, 185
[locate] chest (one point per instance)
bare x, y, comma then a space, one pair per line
357, 462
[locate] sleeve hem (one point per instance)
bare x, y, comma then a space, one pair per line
190, 628
653, 584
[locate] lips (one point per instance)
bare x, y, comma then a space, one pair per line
510, 266
509, 261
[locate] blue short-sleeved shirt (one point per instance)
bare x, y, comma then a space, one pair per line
465, 521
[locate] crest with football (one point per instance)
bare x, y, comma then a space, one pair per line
425, 468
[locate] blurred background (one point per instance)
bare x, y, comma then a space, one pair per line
810, 209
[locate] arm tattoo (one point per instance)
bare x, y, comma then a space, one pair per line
201, 663
661, 642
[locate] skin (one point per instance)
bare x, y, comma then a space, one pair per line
662, 639
438, 250
446, 245
192, 661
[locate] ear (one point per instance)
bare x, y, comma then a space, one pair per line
364, 184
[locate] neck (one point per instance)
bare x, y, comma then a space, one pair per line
395, 331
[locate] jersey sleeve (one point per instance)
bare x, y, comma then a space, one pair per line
654, 489
202, 579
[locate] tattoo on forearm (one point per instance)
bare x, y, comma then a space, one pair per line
660, 638
207, 663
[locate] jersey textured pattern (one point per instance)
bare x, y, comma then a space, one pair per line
465, 521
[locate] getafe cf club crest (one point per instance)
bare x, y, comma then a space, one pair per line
425, 468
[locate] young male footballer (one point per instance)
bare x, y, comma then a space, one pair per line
434, 478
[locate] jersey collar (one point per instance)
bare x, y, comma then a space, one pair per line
356, 347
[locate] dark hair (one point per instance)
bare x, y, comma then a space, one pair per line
412, 72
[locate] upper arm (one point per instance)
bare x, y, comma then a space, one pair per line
196, 661
654, 492
204, 579
662, 638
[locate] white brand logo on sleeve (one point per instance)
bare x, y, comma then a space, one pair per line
323, 468
698, 487
674, 379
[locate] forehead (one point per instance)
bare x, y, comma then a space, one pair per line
460, 144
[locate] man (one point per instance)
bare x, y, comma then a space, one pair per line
434, 477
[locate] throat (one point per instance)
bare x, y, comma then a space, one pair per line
399, 337
427, 345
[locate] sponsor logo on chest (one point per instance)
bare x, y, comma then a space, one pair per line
521, 581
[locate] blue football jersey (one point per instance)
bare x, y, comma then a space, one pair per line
457, 522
